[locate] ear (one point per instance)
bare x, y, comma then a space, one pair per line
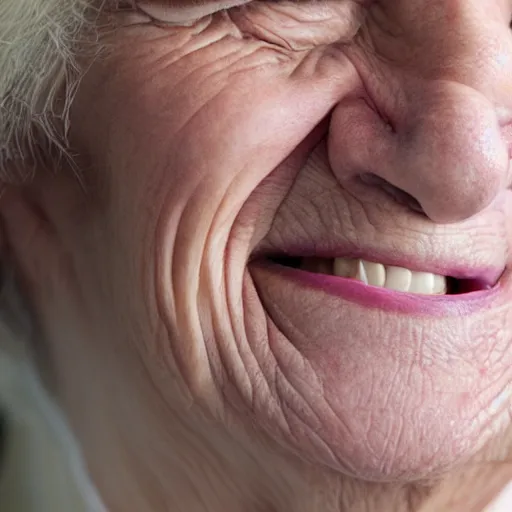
26, 235
32, 214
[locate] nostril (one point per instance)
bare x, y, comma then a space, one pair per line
398, 195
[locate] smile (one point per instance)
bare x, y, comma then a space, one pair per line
391, 277
388, 286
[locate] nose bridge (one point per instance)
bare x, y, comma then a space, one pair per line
420, 18
443, 38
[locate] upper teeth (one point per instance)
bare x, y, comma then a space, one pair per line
394, 278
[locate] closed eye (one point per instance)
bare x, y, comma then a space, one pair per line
183, 12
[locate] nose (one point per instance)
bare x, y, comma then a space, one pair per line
432, 127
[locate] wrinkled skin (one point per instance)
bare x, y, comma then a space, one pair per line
195, 376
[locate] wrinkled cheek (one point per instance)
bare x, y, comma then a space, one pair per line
202, 244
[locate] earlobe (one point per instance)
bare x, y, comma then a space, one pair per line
26, 238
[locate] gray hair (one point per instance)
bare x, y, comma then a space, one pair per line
38, 76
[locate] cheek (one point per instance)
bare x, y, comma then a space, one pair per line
194, 117
183, 152
188, 148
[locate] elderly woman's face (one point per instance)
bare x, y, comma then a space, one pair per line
299, 215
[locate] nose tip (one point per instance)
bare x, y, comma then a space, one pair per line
452, 202
449, 154
456, 158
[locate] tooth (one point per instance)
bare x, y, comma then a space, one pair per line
427, 283
422, 282
398, 279
375, 272
361, 272
344, 267
394, 278
440, 285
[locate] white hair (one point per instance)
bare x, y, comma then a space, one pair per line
38, 76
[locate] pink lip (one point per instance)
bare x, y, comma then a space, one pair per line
388, 300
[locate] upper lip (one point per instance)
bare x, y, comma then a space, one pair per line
487, 274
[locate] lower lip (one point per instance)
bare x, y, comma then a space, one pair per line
384, 299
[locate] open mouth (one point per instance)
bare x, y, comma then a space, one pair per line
376, 274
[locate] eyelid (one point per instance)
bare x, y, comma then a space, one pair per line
181, 12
